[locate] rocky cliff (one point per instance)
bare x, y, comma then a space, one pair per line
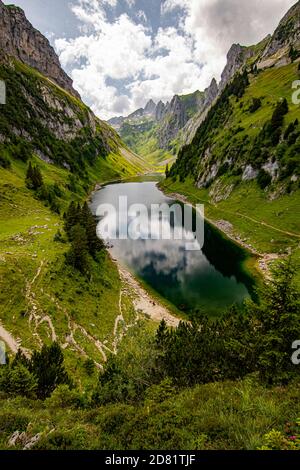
236, 59
164, 119
209, 95
176, 123
175, 117
278, 48
18, 38
43, 114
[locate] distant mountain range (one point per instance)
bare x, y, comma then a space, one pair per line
163, 129
152, 131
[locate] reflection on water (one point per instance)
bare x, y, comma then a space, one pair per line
209, 280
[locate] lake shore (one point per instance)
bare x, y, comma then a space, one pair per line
262, 260
143, 301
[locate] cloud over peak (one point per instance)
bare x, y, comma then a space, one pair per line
119, 59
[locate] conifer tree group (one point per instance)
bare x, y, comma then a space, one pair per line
80, 227
34, 179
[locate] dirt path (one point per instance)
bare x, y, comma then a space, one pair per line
13, 343
9, 340
290, 234
36, 315
184, 199
144, 303
265, 259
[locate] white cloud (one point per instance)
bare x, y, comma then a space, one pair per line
215, 25
169, 5
176, 60
141, 15
130, 3
156, 67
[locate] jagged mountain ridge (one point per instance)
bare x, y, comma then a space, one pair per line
157, 125
175, 129
251, 130
271, 51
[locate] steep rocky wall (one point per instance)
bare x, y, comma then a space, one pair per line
18, 38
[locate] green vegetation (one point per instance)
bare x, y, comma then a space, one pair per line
249, 125
44, 297
34, 179
244, 162
38, 376
84, 369
142, 139
142, 401
257, 340
262, 225
142, 134
191, 102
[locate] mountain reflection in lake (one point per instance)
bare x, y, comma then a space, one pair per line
208, 280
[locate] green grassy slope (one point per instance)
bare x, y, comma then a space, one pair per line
142, 136
42, 299
142, 139
263, 218
220, 416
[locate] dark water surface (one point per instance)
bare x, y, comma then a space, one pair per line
209, 280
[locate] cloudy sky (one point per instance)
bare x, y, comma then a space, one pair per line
120, 53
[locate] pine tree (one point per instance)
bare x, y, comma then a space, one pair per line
167, 170
18, 380
72, 218
277, 325
78, 253
281, 110
37, 178
48, 367
29, 176
34, 179
94, 243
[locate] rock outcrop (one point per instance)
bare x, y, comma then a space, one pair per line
227, 139
236, 59
174, 120
277, 50
18, 38
150, 108
43, 112
160, 112
192, 125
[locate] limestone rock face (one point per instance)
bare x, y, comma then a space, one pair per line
150, 108
160, 112
167, 119
287, 34
174, 120
190, 129
236, 59
48, 99
18, 38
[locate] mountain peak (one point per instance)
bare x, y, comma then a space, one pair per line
19, 39
150, 107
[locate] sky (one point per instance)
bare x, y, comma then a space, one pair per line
121, 53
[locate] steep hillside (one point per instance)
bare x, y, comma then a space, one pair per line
43, 113
274, 50
244, 158
53, 150
18, 38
